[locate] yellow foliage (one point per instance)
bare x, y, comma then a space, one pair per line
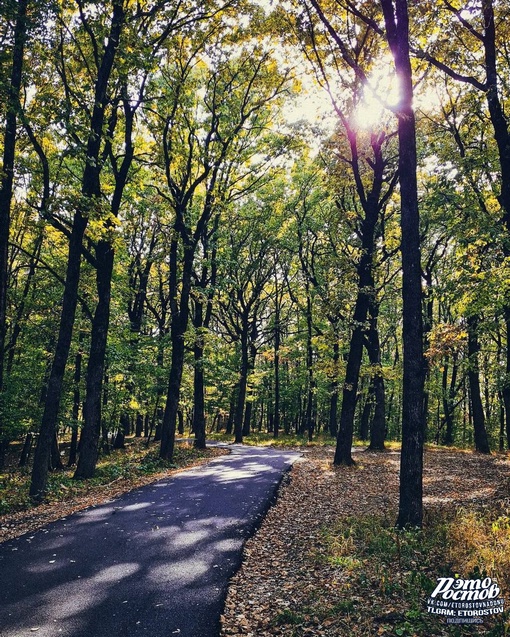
479, 544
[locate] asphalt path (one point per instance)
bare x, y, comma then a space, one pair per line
154, 562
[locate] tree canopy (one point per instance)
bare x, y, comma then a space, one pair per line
232, 216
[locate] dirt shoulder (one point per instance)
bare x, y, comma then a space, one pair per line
303, 574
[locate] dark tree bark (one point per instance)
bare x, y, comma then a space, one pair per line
105, 254
241, 394
449, 391
91, 191
55, 459
410, 514
232, 410
333, 401
139, 426
198, 382
180, 314
366, 412
480, 432
277, 342
309, 421
201, 321
25, 452
73, 450
7, 182
506, 384
96, 364
247, 418
372, 205
378, 425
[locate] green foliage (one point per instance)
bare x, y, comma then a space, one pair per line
386, 568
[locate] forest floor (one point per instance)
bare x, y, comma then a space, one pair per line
327, 560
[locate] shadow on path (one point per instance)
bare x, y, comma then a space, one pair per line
154, 562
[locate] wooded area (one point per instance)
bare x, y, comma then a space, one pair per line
183, 247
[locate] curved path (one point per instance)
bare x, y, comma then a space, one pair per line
154, 562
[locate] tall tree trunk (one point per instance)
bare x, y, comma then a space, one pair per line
55, 381
350, 390
96, 364
178, 327
198, 385
449, 401
232, 410
251, 367
410, 513
378, 425
333, 401
277, 339
91, 191
241, 395
366, 412
25, 452
480, 432
309, 424
506, 384
7, 184
73, 450
247, 418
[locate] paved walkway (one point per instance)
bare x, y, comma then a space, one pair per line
154, 562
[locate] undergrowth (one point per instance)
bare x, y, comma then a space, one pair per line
393, 572
120, 466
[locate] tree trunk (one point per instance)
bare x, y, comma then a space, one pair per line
506, 384
54, 388
276, 407
91, 191
366, 412
96, 364
349, 394
241, 395
139, 426
73, 450
173, 394
480, 432
232, 410
411, 458
179, 324
55, 459
7, 174
449, 402
25, 452
198, 380
309, 424
247, 418
7, 184
378, 425
333, 401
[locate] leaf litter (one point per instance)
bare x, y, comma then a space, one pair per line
291, 584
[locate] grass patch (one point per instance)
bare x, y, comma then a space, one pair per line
387, 575
122, 468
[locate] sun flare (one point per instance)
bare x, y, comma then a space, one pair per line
380, 95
